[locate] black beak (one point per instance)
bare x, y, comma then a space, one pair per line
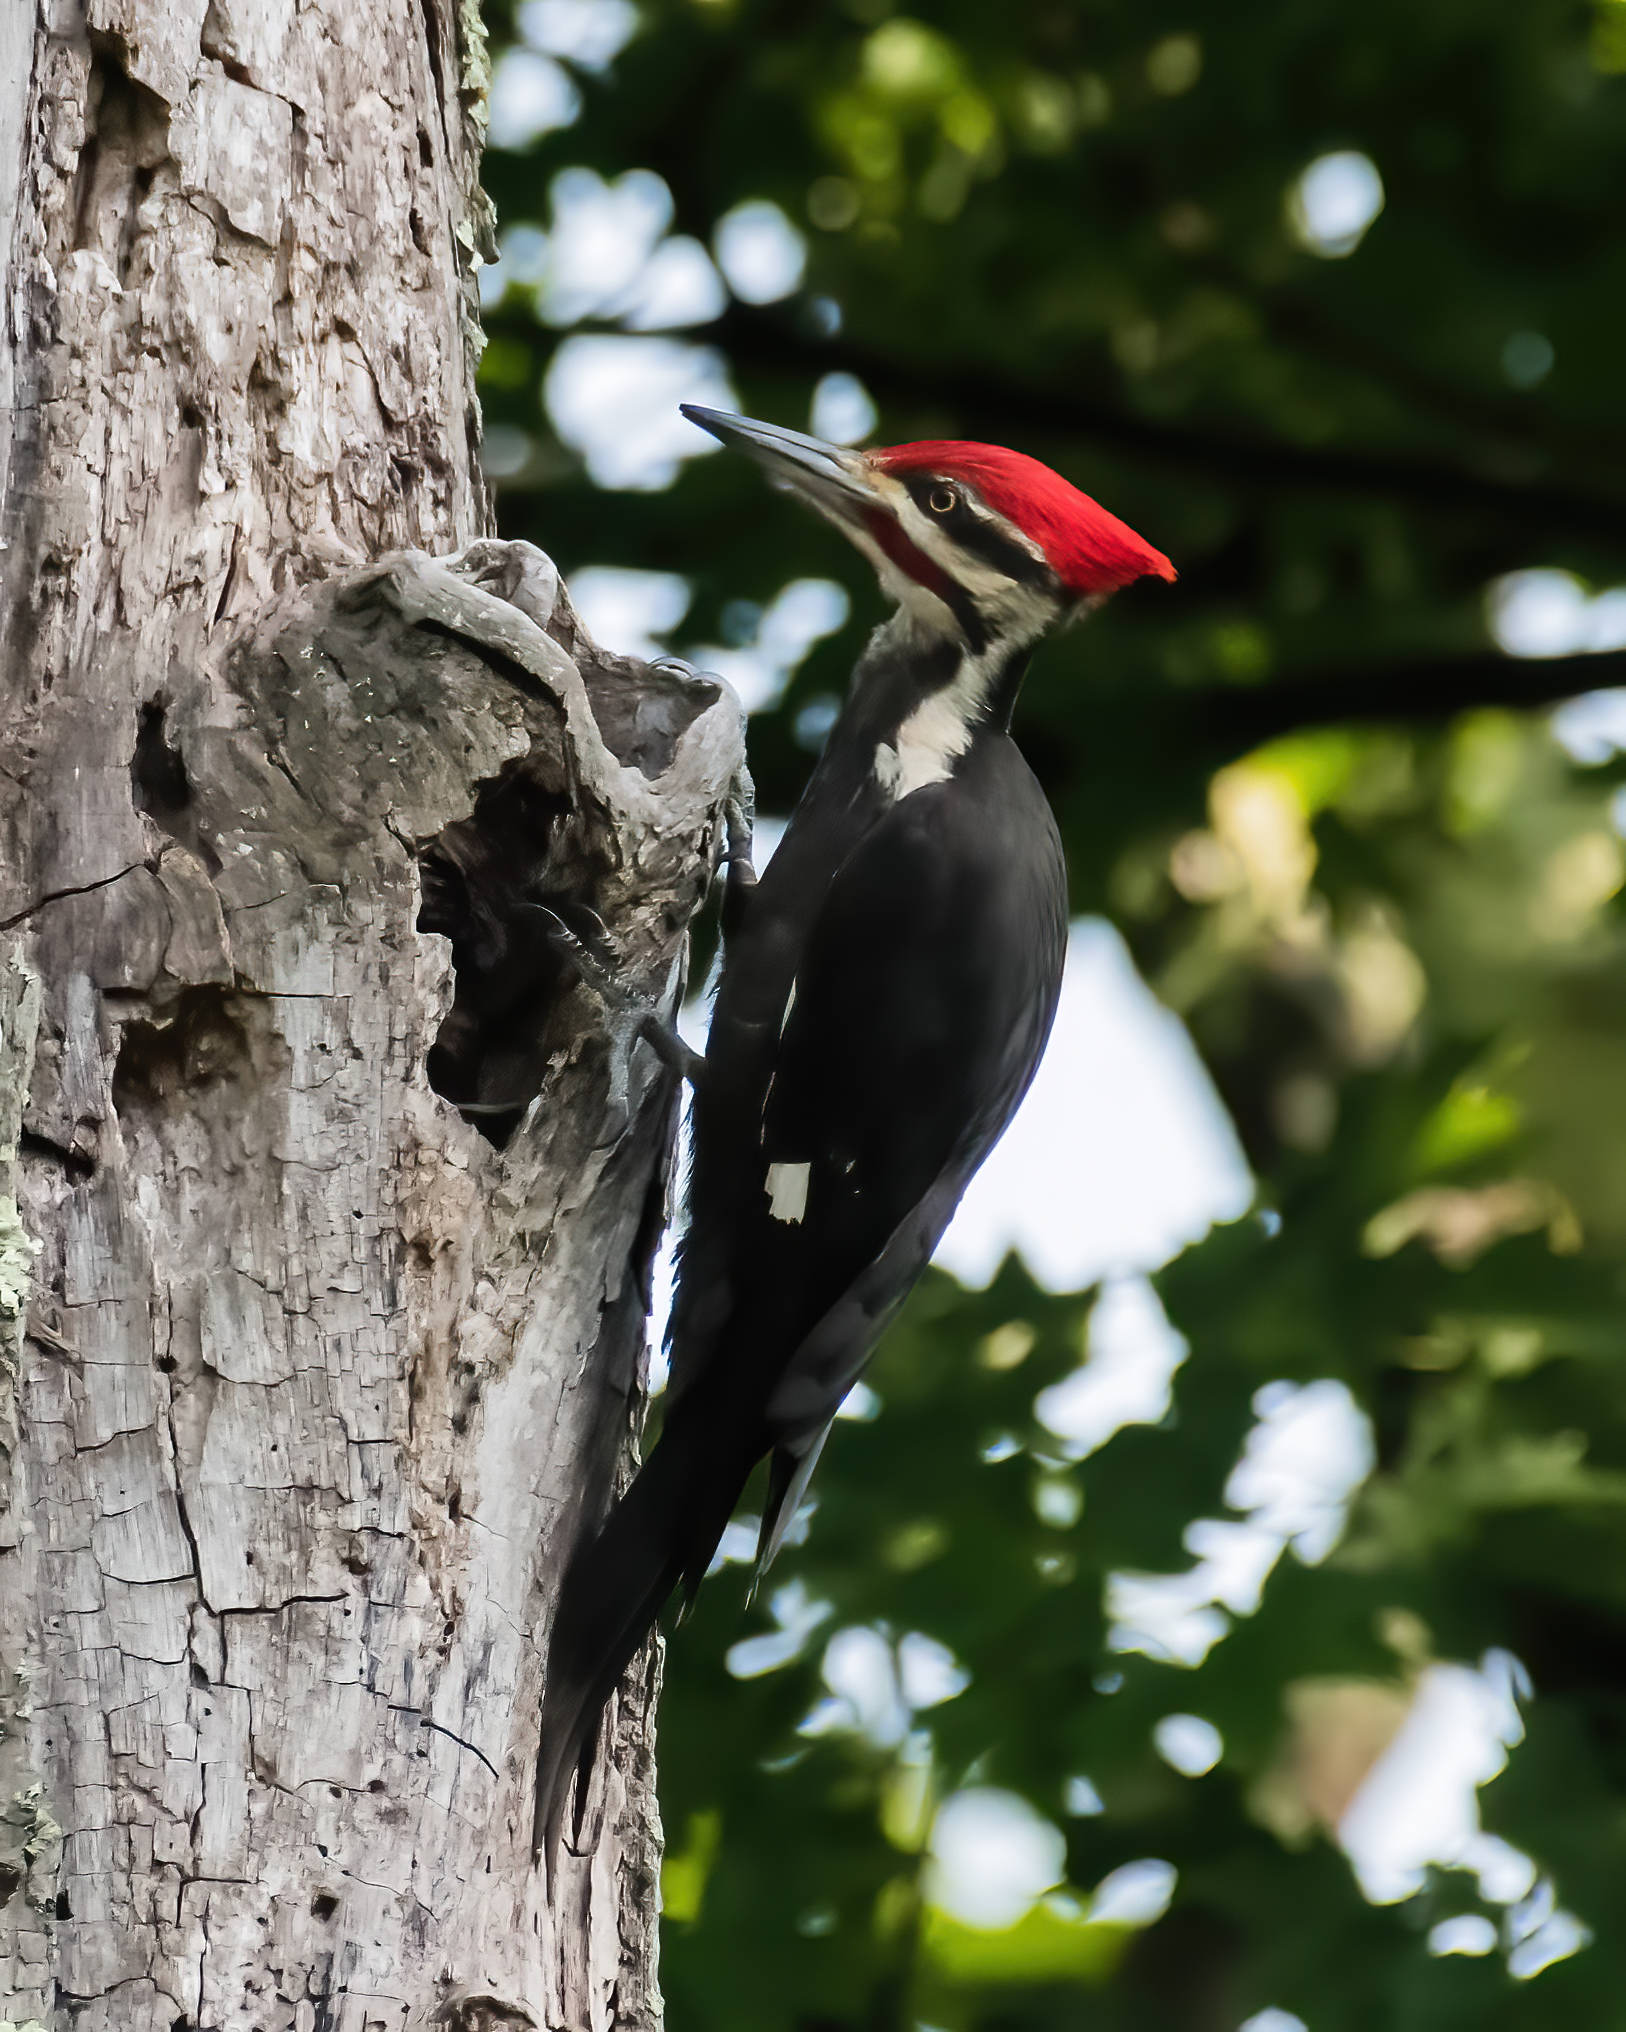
829, 477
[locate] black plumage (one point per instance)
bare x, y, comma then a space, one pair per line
883, 1004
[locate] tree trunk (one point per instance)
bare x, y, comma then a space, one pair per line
307, 1377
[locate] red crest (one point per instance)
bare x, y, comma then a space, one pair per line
1089, 550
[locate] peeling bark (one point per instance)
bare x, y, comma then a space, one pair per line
321, 1374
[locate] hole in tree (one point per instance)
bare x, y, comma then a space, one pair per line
127, 139
487, 879
324, 1905
487, 884
76, 1163
202, 1039
157, 773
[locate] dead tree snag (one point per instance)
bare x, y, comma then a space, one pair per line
319, 1374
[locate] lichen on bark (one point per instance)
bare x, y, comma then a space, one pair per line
19, 1030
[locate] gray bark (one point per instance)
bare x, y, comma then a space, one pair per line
307, 1378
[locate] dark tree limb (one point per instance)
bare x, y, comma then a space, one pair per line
1003, 409
1419, 691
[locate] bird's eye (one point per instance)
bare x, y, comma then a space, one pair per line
942, 500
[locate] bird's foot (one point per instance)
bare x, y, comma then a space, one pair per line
739, 820
630, 1016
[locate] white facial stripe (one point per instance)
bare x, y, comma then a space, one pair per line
936, 734
985, 582
786, 1187
1019, 614
928, 613
982, 580
929, 536
1006, 527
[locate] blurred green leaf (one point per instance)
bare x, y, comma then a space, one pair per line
1330, 817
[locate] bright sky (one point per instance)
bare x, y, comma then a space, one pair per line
1121, 1153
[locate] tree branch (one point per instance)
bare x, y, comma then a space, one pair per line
1000, 408
1416, 690
1003, 409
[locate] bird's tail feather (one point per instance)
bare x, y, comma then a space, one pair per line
614, 1589
790, 1469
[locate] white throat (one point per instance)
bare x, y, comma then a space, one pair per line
936, 734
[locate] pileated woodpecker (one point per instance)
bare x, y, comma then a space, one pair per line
886, 993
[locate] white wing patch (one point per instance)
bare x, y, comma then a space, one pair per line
786, 1187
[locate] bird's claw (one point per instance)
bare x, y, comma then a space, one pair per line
675, 666
631, 1015
739, 816
591, 967
739, 822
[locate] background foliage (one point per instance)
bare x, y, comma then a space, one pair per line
1329, 815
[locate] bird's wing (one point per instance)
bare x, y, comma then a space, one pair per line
920, 1011
921, 1004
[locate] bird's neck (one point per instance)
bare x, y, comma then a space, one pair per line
920, 701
